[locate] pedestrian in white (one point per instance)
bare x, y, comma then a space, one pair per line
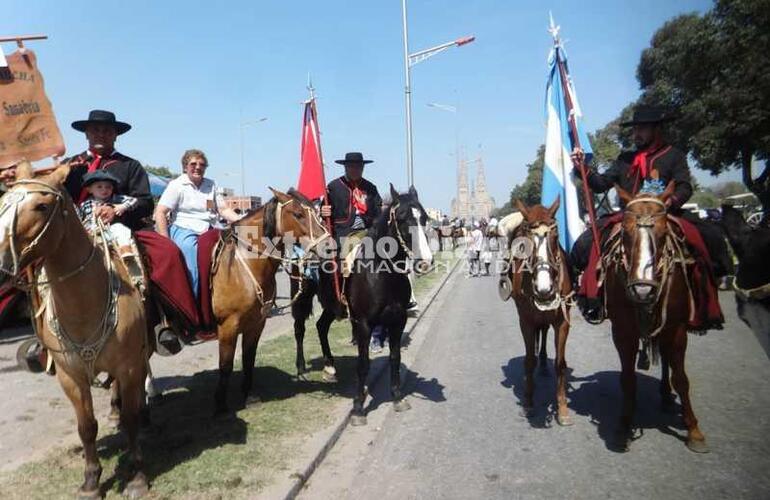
475, 243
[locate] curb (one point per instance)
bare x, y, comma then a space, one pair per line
302, 478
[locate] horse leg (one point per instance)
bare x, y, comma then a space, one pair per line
362, 334
562, 331
299, 338
394, 339
114, 416
543, 355
79, 394
132, 397
530, 339
666, 395
626, 345
329, 373
249, 352
675, 348
228, 337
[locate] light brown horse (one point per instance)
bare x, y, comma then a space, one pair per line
648, 298
94, 319
243, 283
541, 288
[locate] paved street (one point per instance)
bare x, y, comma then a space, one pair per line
464, 438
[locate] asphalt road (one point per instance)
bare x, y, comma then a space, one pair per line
464, 438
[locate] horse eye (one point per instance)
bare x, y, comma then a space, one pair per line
41, 207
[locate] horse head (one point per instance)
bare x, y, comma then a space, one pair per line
32, 215
750, 246
408, 219
292, 214
644, 230
538, 225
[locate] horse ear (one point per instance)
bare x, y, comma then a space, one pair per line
554, 206
278, 194
413, 192
521, 207
59, 176
24, 170
624, 195
669, 192
393, 193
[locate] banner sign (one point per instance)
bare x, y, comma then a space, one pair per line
28, 128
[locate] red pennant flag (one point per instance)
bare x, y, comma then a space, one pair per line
312, 182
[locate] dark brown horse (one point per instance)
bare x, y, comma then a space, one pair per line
648, 298
541, 288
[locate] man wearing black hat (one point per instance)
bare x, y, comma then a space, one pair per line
354, 202
102, 129
650, 168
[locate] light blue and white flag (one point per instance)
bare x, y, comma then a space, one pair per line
558, 179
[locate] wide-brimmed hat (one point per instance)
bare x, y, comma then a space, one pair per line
645, 115
353, 157
100, 116
99, 175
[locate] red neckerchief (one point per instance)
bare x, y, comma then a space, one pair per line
640, 168
359, 198
92, 167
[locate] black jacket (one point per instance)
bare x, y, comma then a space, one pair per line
669, 162
341, 200
133, 181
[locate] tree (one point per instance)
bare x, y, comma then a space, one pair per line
713, 71
606, 143
530, 190
160, 171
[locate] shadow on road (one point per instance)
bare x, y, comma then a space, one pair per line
598, 397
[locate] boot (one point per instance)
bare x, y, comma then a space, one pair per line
133, 265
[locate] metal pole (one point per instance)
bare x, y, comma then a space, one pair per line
408, 101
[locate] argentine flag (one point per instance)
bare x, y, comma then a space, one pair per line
558, 179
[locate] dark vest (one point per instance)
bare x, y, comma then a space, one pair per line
341, 200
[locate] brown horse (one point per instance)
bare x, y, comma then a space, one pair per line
541, 288
648, 298
243, 283
94, 319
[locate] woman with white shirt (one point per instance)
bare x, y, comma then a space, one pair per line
193, 206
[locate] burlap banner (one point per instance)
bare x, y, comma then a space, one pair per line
28, 128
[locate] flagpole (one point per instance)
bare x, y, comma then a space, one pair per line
327, 220
571, 120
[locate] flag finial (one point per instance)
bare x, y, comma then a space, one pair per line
310, 87
553, 29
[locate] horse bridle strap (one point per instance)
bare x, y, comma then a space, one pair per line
399, 237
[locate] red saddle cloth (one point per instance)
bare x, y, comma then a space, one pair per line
8, 297
708, 312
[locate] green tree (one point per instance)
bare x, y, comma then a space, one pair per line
713, 71
704, 199
606, 144
161, 171
529, 191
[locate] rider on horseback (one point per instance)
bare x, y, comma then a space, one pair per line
651, 166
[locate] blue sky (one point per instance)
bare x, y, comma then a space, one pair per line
183, 73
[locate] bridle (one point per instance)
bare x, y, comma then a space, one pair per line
646, 223
392, 220
553, 262
11, 201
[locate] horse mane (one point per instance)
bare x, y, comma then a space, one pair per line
268, 217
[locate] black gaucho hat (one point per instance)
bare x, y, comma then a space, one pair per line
353, 157
101, 116
99, 175
645, 115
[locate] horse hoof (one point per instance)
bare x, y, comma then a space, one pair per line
698, 445
137, 487
527, 411
621, 442
329, 374
89, 495
358, 420
564, 420
401, 405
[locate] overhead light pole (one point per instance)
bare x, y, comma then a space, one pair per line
243, 125
409, 61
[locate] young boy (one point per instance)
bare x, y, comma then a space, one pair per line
101, 186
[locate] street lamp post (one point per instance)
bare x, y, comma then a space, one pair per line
243, 169
409, 61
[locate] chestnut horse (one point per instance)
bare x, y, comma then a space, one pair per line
94, 319
243, 280
541, 288
648, 298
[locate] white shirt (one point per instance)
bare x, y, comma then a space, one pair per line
476, 240
194, 207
